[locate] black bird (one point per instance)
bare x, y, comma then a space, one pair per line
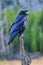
18, 25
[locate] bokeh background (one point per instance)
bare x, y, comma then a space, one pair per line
33, 34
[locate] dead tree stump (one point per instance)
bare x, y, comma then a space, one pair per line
25, 59
22, 49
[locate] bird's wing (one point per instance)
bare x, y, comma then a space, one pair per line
15, 26
19, 17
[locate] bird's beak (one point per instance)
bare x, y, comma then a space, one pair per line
27, 12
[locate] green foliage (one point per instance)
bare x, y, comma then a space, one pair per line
41, 32
33, 34
33, 37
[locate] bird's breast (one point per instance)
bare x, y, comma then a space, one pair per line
25, 21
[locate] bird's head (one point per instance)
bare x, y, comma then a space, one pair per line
24, 12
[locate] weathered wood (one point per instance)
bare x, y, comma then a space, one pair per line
22, 49
25, 58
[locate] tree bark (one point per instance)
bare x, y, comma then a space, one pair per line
22, 49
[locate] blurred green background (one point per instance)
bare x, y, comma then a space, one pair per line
33, 34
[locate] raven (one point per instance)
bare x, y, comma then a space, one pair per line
18, 26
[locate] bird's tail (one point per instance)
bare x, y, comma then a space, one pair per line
12, 36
